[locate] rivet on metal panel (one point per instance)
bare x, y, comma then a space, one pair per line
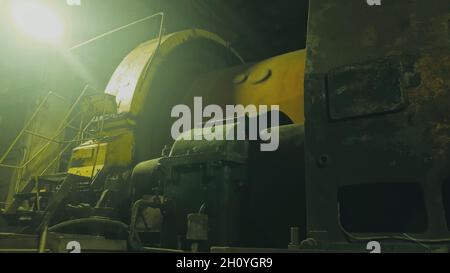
323, 160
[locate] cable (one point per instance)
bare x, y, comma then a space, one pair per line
119, 29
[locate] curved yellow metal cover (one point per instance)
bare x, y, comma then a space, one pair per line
127, 82
275, 81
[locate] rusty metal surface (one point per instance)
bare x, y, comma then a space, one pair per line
373, 127
365, 89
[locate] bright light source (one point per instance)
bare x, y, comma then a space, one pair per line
37, 21
73, 2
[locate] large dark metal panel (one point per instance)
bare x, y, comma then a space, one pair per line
377, 105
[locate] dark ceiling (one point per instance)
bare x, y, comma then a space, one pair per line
258, 27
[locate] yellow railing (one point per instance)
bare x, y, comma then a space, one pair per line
62, 126
60, 129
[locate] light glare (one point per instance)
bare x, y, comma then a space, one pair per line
37, 21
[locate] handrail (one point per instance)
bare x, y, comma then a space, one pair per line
67, 125
59, 130
33, 116
59, 155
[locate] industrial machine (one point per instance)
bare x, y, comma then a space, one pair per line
363, 149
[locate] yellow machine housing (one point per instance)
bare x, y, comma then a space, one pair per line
153, 78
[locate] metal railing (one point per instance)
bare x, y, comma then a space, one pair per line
49, 140
65, 123
25, 128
